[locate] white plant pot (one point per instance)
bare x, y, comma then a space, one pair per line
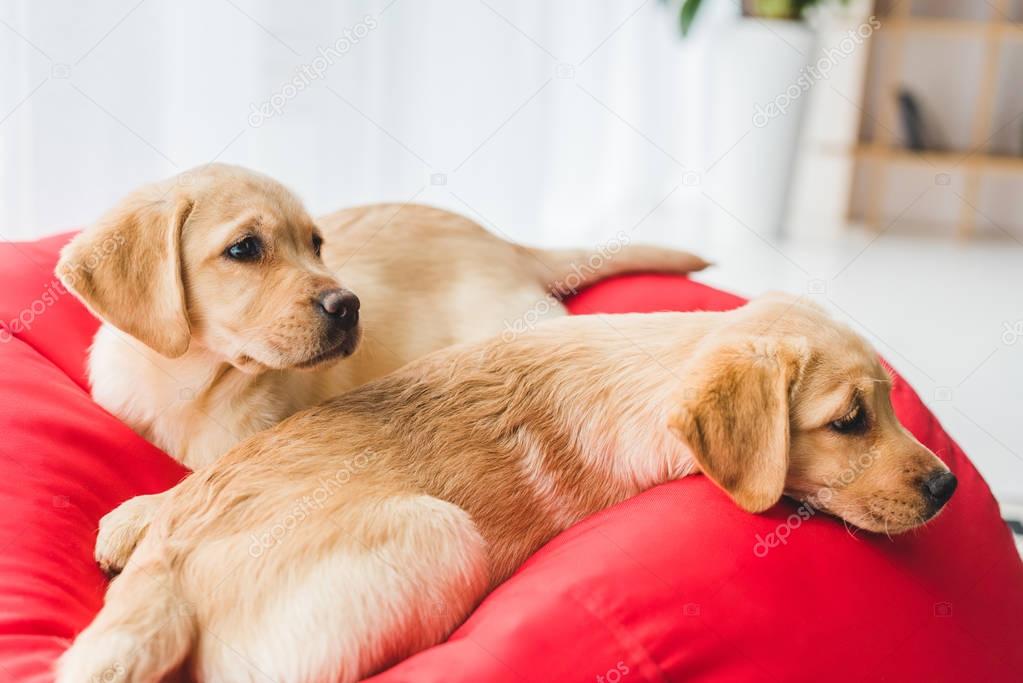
756, 108
821, 179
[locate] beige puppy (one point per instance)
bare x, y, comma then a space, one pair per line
215, 298
225, 306
361, 531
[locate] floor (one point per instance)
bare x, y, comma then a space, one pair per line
948, 315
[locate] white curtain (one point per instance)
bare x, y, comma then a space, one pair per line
552, 122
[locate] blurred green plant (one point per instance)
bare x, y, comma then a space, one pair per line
767, 9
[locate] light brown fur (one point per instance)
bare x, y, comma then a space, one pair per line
459, 466
197, 351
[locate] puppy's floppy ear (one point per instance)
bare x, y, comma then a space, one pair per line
733, 414
127, 269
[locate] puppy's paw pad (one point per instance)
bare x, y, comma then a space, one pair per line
119, 532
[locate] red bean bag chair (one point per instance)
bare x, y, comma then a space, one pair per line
676, 584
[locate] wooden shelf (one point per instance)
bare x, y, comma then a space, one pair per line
941, 160
957, 27
881, 153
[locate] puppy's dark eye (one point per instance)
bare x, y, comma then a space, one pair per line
246, 249
854, 422
317, 244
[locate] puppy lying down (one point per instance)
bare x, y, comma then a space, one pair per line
435, 483
226, 307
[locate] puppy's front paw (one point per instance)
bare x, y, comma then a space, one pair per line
87, 661
120, 531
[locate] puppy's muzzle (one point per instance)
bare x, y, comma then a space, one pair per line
340, 307
937, 488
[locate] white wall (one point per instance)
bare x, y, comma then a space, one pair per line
545, 118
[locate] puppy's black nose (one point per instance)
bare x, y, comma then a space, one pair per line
938, 488
340, 306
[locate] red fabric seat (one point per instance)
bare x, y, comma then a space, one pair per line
677, 584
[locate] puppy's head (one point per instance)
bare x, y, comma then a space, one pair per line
785, 400
221, 258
